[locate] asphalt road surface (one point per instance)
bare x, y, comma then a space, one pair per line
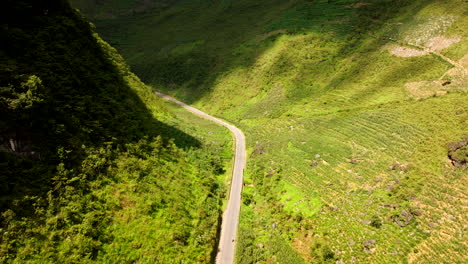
227, 243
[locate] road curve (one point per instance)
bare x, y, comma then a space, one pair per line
227, 242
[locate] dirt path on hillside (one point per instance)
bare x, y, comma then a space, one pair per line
433, 47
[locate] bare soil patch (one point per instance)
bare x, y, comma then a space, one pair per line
464, 61
425, 89
439, 43
454, 80
459, 76
302, 245
405, 52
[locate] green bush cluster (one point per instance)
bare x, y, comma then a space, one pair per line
320, 249
149, 203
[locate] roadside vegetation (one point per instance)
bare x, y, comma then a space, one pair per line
355, 112
94, 168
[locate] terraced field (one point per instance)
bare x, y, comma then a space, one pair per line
377, 190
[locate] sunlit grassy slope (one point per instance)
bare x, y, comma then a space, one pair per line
347, 127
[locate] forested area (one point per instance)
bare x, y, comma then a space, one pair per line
90, 171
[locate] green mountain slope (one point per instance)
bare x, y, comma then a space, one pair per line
350, 108
94, 167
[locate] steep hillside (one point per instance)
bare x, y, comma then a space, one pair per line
351, 108
94, 167
107, 9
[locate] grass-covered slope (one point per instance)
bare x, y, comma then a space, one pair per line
93, 166
350, 108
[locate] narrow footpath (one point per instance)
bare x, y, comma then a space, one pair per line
229, 226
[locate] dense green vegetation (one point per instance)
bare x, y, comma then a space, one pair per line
94, 167
350, 121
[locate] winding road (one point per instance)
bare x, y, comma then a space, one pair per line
227, 242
